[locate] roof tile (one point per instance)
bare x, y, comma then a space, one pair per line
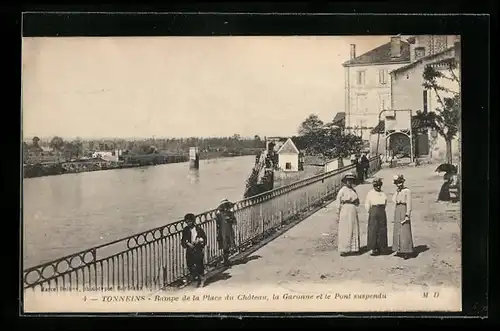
382, 55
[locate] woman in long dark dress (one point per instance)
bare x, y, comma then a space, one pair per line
375, 203
402, 242
225, 220
444, 193
360, 172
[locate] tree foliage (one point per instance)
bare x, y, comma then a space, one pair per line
326, 139
310, 125
57, 143
445, 119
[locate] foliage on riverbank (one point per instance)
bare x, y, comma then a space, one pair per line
57, 168
219, 146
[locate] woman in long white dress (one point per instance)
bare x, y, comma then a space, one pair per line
348, 237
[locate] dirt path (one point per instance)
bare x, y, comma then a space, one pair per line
307, 253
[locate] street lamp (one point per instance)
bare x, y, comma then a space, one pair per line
434, 133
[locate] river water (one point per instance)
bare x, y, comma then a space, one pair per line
68, 213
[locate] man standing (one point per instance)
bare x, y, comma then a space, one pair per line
194, 240
365, 165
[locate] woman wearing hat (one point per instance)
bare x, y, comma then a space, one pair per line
375, 203
348, 223
402, 242
225, 220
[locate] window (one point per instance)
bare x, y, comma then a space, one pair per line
419, 52
288, 166
360, 78
361, 104
382, 76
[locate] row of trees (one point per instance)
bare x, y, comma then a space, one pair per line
326, 139
81, 147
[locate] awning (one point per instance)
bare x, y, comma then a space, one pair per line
416, 124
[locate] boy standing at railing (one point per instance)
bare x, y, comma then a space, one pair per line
194, 240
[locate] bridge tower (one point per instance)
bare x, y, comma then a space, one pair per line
194, 158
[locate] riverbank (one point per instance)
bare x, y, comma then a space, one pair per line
61, 168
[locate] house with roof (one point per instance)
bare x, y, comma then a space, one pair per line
368, 84
288, 157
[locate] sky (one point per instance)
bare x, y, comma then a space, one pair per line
125, 87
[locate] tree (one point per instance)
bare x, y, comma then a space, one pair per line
446, 118
311, 125
36, 142
327, 140
70, 150
57, 144
77, 147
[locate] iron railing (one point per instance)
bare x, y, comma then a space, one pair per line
154, 259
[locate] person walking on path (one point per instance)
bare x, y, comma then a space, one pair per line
225, 221
194, 240
375, 203
365, 163
347, 217
360, 172
402, 242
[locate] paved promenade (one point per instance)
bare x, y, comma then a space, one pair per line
307, 253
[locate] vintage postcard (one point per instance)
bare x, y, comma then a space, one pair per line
241, 174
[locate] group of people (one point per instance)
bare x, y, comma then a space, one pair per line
375, 203
362, 165
194, 240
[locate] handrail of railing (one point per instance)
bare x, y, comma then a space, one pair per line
154, 258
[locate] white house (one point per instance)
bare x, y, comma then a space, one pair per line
107, 155
368, 84
288, 157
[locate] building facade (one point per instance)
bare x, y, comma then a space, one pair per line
408, 91
368, 84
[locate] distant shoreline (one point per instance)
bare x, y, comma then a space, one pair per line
55, 169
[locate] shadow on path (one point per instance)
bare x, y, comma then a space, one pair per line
246, 259
217, 277
416, 251
222, 274
420, 249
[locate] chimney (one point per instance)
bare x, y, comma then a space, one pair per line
353, 51
395, 47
